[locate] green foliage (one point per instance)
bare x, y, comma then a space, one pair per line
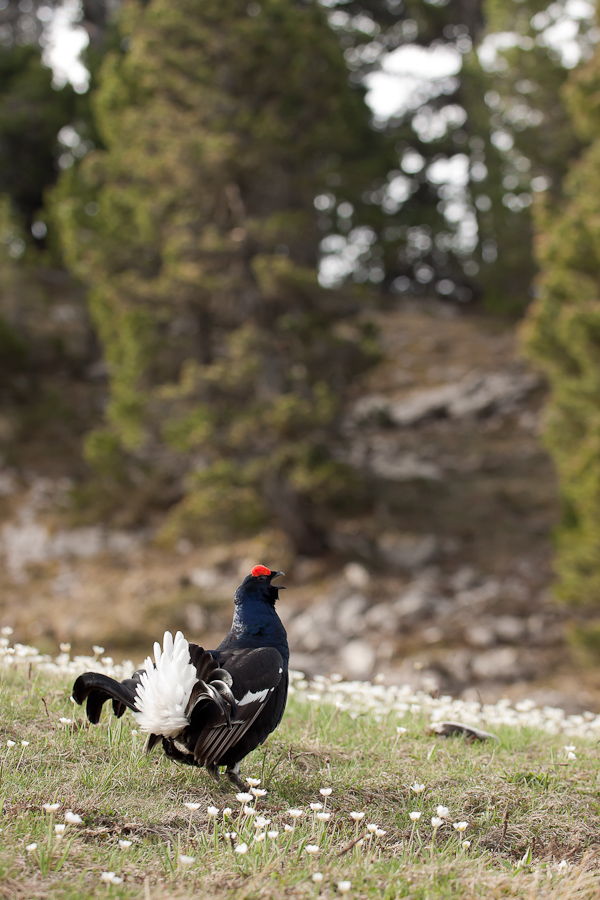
32, 113
195, 232
562, 335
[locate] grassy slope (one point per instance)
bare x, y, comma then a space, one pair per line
517, 795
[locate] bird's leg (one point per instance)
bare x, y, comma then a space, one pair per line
232, 773
213, 770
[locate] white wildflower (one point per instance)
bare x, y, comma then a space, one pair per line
287, 827
24, 743
443, 812
317, 877
192, 806
436, 821
325, 792
11, 744
272, 835
59, 829
415, 815
460, 826
311, 848
249, 811
212, 811
315, 806
50, 807
227, 811
72, 818
380, 832
417, 788
357, 816
253, 782
258, 792
243, 798
465, 845
294, 813
323, 816
31, 847
125, 844
241, 848
110, 878
344, 886
261, 822
185, 860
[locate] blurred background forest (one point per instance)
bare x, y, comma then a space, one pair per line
314, 284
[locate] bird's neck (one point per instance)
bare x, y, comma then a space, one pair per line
257, 624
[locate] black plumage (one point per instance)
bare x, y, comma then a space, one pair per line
238, 697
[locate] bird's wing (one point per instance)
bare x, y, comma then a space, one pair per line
254, 676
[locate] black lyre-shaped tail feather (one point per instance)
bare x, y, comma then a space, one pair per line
97, 689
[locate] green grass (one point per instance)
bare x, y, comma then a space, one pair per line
522, 800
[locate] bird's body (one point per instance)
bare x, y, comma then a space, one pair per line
210, 707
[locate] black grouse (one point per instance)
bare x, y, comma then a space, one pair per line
210, 707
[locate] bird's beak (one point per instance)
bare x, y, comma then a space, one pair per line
276, 575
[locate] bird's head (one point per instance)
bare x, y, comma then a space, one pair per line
258, 586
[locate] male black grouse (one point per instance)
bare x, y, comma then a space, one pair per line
210, 707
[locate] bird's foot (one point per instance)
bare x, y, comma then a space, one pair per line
213, 771
232, 773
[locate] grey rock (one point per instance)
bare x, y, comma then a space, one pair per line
357, 660
499, 664
408, 551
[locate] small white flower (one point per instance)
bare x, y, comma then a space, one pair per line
315, 806
380, 832
465, 845
272, 835
261, 822
97, 650
287, 827
125, 844
357, 816
31, 847
460, 826
249, 811
243, 798
417, 788
294, 813
253, 782
259, 837
324, 792
241, 848
311, 848
400, 729
569, 748
443, 812
59, 829
563, 864
415, 815
212, 811
6, 631
230, 835
344, 886
192, 806
436, 821
185, 860
258, 792
24, 743
65, 721
72, 818
323, 816
64, 648
317, 877
11, 744
227, 811
50, 807
110, 878
571, 755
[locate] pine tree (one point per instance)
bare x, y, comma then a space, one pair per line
196, 233
562, 335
